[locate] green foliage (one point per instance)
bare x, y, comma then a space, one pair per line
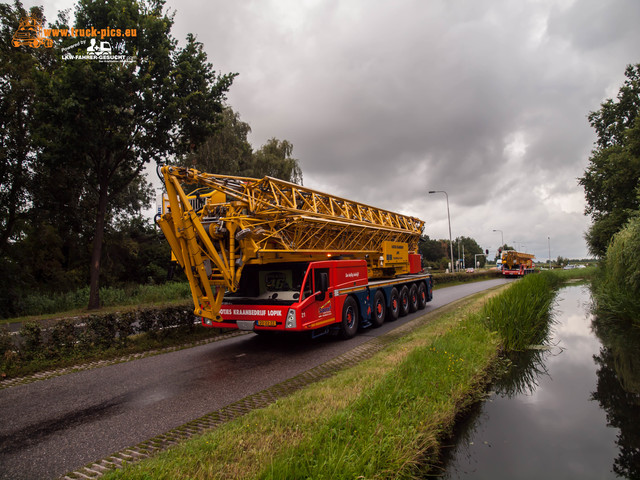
611, 180
70, 341
521, 314
6, 345
617, 285
228, 152
382, 434
274, 159
433, 250
96, 124
470, 248
31, 335
462, 277
42, 304
17, 99
437, 253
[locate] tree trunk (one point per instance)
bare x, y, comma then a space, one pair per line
94, 267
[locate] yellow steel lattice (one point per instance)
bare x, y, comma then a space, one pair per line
267, 220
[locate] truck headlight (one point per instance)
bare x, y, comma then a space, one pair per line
291, 319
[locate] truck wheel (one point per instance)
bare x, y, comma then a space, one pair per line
413, 298
404, 301
379, 309
422, 295
394, 305
349, 326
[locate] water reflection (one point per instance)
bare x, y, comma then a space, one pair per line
618, 390
568, 410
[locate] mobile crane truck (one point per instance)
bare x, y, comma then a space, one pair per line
269, 255
517, 264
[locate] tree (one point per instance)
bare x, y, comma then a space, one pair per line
274, 159
470, 248
102, 122
228, 152
17, 96
612, 178
434, 252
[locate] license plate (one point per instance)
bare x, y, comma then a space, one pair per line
266, 323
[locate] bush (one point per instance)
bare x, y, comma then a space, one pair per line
42, 304
440, 278
617, 285
31, 334
6, 345
97, 335
63, 336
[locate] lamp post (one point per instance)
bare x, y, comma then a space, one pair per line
449, 218
549, 241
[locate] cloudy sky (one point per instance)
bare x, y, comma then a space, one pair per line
386, 100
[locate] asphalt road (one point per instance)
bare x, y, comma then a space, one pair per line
54, 426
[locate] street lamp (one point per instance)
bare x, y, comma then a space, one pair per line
449, 217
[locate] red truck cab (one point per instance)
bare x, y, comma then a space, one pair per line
316, 297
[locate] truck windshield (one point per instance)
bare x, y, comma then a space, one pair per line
276, 282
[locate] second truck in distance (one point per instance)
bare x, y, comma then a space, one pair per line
517, 264
267, 255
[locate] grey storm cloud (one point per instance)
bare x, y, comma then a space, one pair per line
385, 100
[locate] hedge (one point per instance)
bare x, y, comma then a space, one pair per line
93, 333
440, 278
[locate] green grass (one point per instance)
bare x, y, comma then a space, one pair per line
521, 314
382, 419
385, 417
43, 306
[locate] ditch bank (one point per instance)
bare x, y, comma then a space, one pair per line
382, 418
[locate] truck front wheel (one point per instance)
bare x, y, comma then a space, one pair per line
349, 326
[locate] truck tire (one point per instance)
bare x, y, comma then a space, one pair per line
404, 301
422, 295
349, 326
379, 309
413, 298
394, 305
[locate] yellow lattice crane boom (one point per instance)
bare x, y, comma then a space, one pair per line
229, 222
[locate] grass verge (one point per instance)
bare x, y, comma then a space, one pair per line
381, 419
40, 306
385, 417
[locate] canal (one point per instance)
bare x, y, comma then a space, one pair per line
569, 409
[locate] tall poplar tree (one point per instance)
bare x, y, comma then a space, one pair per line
100, 123
611, 181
